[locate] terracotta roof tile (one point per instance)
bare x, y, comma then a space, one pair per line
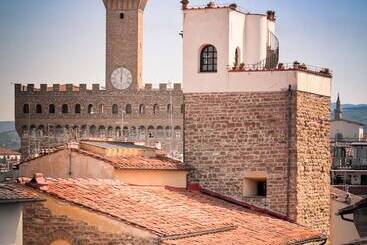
178, 216
5, 151
12, 193
139, 162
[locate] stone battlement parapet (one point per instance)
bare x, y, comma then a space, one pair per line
67, 88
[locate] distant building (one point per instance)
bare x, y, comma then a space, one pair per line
125, 109
349, 153
8, 158
129, 163
345, 129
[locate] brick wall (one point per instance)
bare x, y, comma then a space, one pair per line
40, 227
228, 135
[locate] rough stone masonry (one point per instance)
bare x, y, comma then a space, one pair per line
284, 134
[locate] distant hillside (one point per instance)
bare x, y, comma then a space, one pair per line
6, 126
10, 140
354, 112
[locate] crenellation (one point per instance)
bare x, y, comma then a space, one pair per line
163, 86
95, 87
30, 87
43, 88
177, 86
17, 88
69, 87
82, 87
148, 87
55, 87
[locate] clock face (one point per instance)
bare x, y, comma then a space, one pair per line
121, 78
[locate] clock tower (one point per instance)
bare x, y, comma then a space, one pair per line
124, 43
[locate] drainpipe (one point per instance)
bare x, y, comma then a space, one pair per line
70, 162
289, 122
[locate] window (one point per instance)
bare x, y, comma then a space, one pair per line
141, 109
115, 109
208, 59
38, 109
128, 109
156, 109
90, 109
77, 109
169, 108
26, 109
182, 108
255, 184
65, 109
51, 109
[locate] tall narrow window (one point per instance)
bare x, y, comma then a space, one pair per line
51, 109
26, 109
208, 59
90, 109
38, 109
156, 109
115, 109
65, 109
77, 109
169, 108
141, 109
128, 109
183, 108
101, 108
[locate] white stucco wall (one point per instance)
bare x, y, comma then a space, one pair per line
11, 224
256, 38
236, 36
227, 29
347, 129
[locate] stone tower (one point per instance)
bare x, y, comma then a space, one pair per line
338, 110
124, 43
251, 132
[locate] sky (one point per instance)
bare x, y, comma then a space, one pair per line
63, 41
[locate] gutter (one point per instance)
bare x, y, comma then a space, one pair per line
289, 116
322, 239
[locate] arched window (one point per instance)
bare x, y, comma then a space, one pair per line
183, 108
38, 109
90, 109
77, 109
128, 109
65, 109
51, 109
169, 108
156, 109
141, 109
115, 109
26, 108
208, 59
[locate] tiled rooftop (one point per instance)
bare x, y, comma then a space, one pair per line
178, 216
5, 151
12, 193
138, 162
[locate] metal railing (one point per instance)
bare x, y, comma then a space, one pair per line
349, 163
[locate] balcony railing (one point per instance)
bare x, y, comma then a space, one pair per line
349, 163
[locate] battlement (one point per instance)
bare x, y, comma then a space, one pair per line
80, 88
125, 4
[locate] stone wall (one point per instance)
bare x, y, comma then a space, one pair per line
313, 161
230, 136
41, 227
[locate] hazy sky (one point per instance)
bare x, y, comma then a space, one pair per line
64, 41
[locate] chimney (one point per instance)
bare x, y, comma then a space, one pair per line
37, 181
185, 3
271, 15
